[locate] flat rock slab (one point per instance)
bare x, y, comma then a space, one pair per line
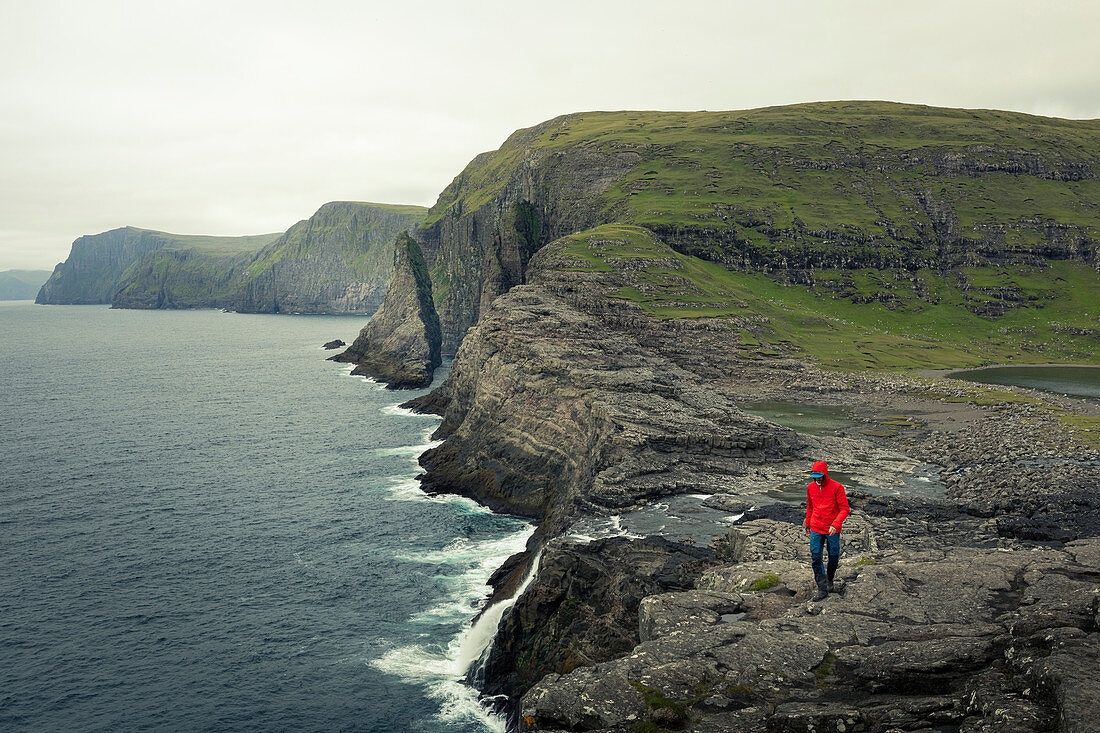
975, 639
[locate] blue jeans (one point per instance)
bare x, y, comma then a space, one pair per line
817, 540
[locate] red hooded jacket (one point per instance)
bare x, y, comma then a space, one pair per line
827, 504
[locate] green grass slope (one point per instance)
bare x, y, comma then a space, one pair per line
336, 226
880, 174
95, 263
218, 246
915, 331
183, 278
306, 269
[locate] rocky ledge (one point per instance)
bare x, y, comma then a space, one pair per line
920, 636
973, 607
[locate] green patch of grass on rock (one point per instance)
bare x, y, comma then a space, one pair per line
768, 580
655, 700
926, 325
823, 670
1083, 428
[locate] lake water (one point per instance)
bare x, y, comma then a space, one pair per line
207, 526
1081, 381
804, 417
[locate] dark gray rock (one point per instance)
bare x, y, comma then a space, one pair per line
583, 607
918, 640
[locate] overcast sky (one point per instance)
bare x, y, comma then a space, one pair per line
243, 117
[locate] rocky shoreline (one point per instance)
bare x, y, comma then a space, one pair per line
967, 602
976, 610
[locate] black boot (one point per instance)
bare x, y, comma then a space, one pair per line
822, 587
829, 581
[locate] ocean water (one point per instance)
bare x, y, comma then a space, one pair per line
204, 525
1080, 381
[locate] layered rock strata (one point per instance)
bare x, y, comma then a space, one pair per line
974, 611
563, 402
921, 637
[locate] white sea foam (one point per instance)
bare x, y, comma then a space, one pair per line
442, 670
347, 369
613, 527
408, 450
734, 517
464, 551
403, 488
399, 411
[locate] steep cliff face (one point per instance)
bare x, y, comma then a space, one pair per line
181, 278
806, 194
96, 262
400, 344
487, 223
337, 261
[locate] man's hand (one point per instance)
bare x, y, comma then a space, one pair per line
807, 531
833, 530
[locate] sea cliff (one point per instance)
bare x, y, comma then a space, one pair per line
399, 346
865, 203
973, 606
22, 284
92, 272
619, 290
337, 261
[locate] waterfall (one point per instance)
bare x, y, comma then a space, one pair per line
478, 642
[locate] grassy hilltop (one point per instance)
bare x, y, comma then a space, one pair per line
820, 166
871, 234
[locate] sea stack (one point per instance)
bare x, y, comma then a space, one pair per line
400, 346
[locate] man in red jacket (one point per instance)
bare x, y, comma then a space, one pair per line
826, 510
